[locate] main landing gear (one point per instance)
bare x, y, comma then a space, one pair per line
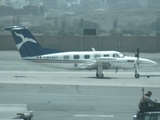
99, 73
136, 71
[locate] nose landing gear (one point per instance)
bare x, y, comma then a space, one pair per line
136, 75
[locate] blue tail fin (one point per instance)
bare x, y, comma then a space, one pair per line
26, 42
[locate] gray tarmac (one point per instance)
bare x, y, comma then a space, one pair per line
55, 94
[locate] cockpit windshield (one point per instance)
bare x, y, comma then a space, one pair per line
118, 55
121, 55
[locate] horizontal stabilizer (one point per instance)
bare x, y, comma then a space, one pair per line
14, 27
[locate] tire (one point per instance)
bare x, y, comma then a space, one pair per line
137, 76
99, 75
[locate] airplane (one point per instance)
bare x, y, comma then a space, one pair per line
31, 50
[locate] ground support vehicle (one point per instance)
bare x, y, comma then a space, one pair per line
148, 111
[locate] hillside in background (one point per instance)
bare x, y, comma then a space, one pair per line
145, 21
125, 18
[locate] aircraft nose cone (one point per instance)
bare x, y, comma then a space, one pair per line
153, 62
148, 62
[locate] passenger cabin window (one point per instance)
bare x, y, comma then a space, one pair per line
76, 56
66, 57
97, 56
106, 55
116, 55
86, 56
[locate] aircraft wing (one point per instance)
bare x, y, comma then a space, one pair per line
106, 59
105, 62
88, 65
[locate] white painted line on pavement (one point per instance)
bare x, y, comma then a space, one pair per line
93, 116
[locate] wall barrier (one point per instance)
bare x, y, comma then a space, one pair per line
85, 43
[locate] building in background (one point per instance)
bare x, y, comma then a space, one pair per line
19, 4
16, 4
34, 2
50, 4
71, 3
84, 5
144, 3
153, 3
62, 4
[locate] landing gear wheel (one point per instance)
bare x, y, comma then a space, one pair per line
99, 75
137, 76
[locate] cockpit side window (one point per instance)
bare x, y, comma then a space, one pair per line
115, 55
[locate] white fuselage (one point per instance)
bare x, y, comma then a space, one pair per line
89, 60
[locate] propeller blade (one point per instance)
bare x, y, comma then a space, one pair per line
138, 58
137, 53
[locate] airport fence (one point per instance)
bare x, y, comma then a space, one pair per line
85, 43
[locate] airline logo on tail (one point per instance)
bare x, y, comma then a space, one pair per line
24, 40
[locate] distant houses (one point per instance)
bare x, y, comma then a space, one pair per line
37, 7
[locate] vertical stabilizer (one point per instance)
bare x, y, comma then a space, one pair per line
25, 41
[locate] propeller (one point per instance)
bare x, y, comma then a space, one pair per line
137, 55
